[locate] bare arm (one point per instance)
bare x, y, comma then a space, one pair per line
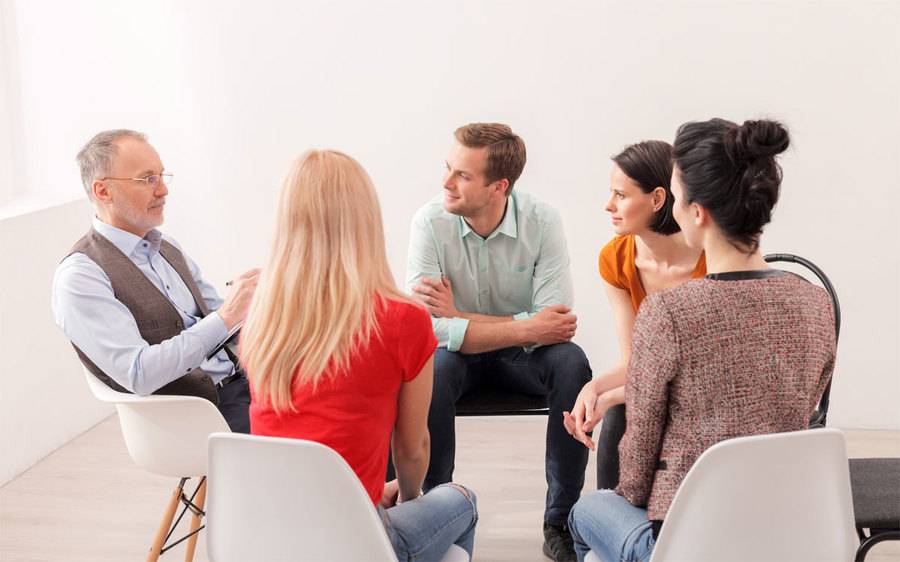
623, 316
488, 336
606, 389
553, 324
410, 443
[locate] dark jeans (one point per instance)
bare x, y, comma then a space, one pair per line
611, 433
557, 371
234, 403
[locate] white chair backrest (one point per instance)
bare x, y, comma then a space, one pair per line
784, 496
164, 434
104, 393
303, 501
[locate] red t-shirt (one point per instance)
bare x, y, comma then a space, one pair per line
354, 412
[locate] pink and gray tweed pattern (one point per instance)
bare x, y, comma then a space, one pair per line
716, 359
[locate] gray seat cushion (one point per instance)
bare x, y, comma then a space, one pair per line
876, 492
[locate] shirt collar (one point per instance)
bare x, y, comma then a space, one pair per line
508, 226
125, 241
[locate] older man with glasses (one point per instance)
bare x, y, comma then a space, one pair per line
133, 304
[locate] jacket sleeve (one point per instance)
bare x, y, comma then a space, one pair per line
654, 363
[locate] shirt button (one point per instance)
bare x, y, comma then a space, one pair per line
167, 287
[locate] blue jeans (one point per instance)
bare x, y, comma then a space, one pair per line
422, 530
555, 371
616, 531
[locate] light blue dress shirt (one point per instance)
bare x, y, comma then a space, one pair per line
86, 309
519, 269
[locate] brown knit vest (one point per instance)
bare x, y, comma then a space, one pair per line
157, 319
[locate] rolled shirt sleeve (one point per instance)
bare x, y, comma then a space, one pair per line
423, 261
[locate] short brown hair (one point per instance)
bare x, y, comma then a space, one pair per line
505, 149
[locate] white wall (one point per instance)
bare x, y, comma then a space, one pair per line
229, 94
44, 400
10, 116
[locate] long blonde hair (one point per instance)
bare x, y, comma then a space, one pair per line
317, 295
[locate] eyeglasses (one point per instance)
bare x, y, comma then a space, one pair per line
153, 181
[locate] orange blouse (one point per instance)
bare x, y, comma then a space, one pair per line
617, 268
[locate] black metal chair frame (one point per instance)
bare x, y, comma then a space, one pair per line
875, 536
820, 416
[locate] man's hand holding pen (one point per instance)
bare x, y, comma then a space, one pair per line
237, 304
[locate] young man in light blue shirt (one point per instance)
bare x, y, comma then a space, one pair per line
491, 266
108, 321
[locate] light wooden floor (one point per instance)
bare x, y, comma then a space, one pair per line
88, 502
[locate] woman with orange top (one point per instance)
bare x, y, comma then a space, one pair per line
647, 255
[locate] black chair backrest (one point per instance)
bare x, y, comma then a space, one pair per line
819, 416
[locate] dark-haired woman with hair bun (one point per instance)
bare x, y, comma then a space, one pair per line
746, 350
647, 255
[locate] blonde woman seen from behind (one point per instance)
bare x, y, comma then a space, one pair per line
329, 337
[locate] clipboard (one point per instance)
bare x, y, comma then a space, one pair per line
230, 342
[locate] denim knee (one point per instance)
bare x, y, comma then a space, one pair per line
465, 492
608, 524
568, 360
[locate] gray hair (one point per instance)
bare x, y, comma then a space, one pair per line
95, 158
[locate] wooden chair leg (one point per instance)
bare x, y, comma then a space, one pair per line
164, 525
199, 501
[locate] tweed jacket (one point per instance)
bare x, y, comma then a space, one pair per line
729, 355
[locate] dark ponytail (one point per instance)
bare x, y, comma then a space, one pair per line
731, 171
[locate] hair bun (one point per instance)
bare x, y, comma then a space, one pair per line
755, 140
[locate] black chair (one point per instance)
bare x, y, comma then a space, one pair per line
875, 483
608, 447
490, 401
876, 501
820, 415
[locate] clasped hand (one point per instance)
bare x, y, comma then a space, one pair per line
587, 412
437, 296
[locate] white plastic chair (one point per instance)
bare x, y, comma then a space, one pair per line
277, 499
782, 496
167, 435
